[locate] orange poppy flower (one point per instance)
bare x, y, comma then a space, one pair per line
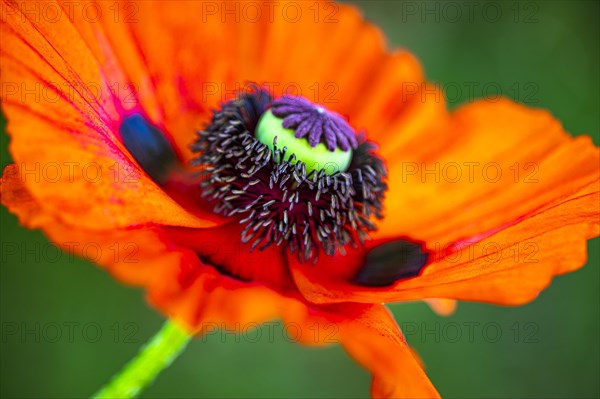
487, 203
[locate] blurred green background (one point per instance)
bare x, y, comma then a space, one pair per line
545, 54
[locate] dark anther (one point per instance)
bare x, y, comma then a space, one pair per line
150, 148
390, 262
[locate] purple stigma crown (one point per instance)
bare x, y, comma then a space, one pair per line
314, 122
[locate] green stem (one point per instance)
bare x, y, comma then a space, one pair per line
154, 357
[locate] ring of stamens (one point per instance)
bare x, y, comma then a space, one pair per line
272, 194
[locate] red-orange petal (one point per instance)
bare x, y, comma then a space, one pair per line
496, 242
203, 300
324, 51
536, 161
175, 279
63, 118
222, 247
371, 336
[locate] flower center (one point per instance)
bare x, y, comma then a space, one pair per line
281, 193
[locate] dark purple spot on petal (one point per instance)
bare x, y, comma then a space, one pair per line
390, 262
148, 145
